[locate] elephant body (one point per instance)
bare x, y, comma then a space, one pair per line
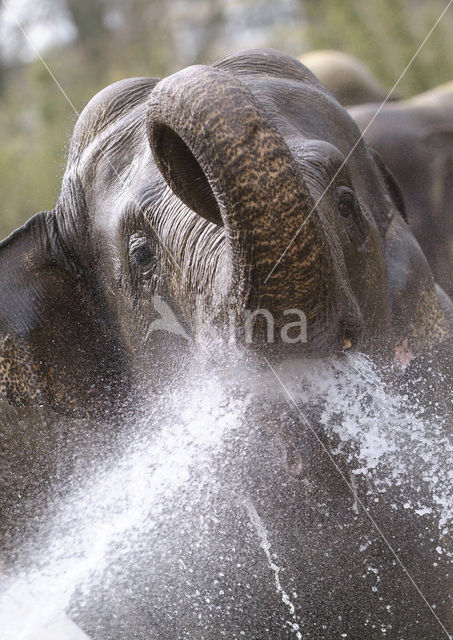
187, 205
345, 77
415, 139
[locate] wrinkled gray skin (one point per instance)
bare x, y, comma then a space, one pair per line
415, 139
345, 77
198, 184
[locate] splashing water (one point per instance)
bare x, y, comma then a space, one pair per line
117, 503
170, 502
261, 531
387, 437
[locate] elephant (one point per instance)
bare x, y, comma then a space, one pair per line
415, 139
344, 76
209, 195
129, 214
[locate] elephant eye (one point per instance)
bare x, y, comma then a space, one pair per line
141, 251
347, 202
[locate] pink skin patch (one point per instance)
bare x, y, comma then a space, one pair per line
403, 355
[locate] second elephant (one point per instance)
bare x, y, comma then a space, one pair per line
415, 139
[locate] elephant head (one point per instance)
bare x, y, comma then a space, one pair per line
415, 140
344, 76
218, 191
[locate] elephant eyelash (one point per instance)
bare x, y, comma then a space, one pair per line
347, 201
349, 208
142, 254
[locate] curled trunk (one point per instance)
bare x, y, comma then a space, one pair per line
222, 158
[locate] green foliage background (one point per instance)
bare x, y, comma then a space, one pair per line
385, 35
36, 120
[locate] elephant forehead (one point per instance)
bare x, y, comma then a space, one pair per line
317, 151
305, 109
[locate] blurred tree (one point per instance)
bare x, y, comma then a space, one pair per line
109, 41
89, 17
91, 43
385, 35
2, 57
2, 75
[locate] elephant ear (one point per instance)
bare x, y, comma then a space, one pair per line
391, 183
440, 142
58, 345
420, 315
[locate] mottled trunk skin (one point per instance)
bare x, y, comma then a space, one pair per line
254, 187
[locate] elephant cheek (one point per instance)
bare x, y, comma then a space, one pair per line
368, 277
